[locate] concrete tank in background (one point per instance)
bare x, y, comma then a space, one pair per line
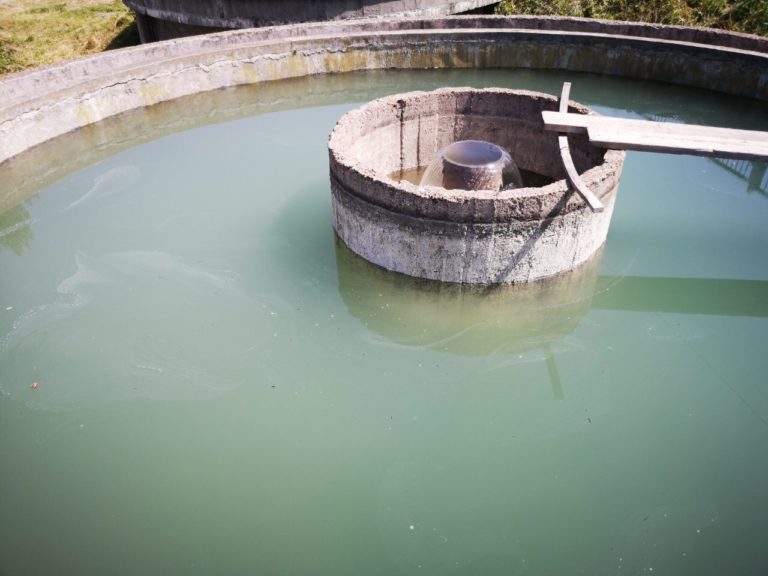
166, 19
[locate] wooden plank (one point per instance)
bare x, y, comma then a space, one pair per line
630, 134
570, 168
579, 122
668, 144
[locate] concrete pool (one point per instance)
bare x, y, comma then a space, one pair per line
196, 377
223, 388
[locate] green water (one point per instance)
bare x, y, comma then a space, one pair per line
222, 389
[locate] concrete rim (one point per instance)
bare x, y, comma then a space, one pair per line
477, 206
44, 103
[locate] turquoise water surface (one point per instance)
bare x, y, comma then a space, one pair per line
197, 378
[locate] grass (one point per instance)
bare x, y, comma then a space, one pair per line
739, 15
38, 32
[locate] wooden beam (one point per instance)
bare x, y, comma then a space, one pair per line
570, 168
627, 134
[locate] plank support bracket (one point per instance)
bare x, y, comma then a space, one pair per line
565, 154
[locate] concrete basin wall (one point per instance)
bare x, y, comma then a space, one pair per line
473, 237
167, 19
42, 104
405, 132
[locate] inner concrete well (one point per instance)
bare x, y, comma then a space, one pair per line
166, 19
475, 237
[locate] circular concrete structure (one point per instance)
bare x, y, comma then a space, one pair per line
166, 19
47, 102
474, 237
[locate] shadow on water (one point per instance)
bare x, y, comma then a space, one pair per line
706, 296
755, 174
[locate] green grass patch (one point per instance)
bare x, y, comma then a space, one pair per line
48, 9
7, 62
739, 15
38, 32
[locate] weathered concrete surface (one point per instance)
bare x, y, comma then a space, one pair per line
45, 103
474, 237
167, 19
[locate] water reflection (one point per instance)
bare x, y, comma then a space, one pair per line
673, 103
753, 173
26, 174
709, 296
554, 373
463, 319
15, 230
478, 321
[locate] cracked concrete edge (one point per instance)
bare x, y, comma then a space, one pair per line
42, 104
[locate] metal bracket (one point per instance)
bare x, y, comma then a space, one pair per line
570, 168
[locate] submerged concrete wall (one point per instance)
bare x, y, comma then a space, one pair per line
167, 19
42, 104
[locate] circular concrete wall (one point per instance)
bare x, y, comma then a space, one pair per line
42, 104
166, 19
474, 237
